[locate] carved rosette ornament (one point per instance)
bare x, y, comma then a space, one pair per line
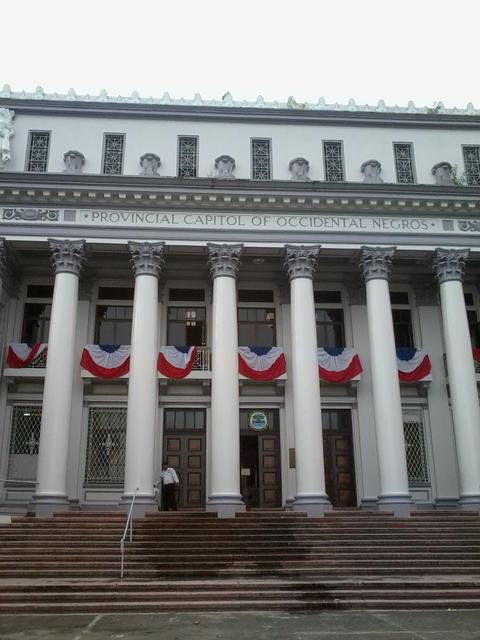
449, 264
147, 258
301, 261
68, 256
376, 262
224, 259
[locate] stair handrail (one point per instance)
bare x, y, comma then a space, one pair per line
123, 538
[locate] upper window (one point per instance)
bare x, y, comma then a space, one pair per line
187, 157
471, 157
36, 313
404, 162
261, 159
473, 322
186, 326
256, 327
37, 155
329, 318
402, 319
113, 154
113, 324
333, 160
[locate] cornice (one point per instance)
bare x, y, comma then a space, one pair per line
28, 189
261, 113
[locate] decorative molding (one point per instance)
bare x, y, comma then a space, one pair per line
301, 261
469, 225
442, 172
299, 168
147, 258
49, 215
6, 132
376, 262
74, 161
150, 164
68, 256
426, 292
224, 166
449, 264
371, 170
224, 259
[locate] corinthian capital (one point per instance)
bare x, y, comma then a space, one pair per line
301, 261
68, 256
449, 264
147, 258
376, 262
224, 259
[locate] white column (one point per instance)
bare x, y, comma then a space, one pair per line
68, 258
225, 497
449, 267
310, 496
147, 261
394, 491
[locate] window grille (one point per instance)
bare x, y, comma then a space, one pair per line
107, 428
333, 160
37, 159
24, 441
471, 157
261, 164
187, 157
404, 163
415, 450
113, 154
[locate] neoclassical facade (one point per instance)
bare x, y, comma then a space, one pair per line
144, 243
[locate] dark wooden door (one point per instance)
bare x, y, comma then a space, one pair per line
184, 449
338, 457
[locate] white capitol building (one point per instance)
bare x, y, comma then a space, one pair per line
307, 231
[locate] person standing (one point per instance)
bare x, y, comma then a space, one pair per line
169, 479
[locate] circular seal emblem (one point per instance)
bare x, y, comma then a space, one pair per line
258, 421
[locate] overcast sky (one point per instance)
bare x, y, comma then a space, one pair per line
420, 50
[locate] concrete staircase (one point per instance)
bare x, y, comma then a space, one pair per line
259, 560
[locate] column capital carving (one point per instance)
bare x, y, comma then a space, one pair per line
224, 259
146, 258
449, 264
301, 261
68, 256
376, 262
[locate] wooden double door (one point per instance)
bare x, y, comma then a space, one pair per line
338, 457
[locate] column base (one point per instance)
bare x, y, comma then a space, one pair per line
471, 501
44, 505
445, 503
369, 504
143, 504
225, 505
314, 505
400, 503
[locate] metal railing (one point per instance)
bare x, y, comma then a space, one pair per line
202, 360
128, 525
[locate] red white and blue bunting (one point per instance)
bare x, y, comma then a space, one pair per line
176, 362
261, 363
337, 364
413, 364
106, 360
21, 354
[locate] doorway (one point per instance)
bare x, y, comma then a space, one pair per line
338, 457
260, 477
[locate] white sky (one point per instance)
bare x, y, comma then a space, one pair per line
423, 50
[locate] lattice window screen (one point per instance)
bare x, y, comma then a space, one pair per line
404, 163
38, 151
471, 156
415, 449
261, 169
187, 158
106, 445
24, 440
113, 154
332, 153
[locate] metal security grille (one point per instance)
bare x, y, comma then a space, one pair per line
106, 445
471, 157
40, 362
332, 154
24, 440
415, 449
261, 166
404, 163
187, 157
37, 158
113, 154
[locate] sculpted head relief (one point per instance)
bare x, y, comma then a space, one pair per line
299, 168
6, 132
224, 166
371, 170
